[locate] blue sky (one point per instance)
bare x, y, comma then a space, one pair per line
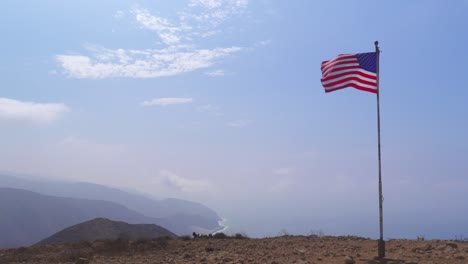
221, 102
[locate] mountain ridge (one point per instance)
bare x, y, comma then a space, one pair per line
195, 215
28, 217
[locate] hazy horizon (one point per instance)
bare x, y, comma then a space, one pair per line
220, 102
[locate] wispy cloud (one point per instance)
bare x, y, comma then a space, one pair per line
240, 123
106, 63
141, 63
174, 181
200, 18
262, 43
216, 73
207, 108
216, 12
169, 33
167, 101
30, 112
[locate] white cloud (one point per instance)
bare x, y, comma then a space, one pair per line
170, 34
167, 101
179, 183
209, 33
262, 43
211, 4
240, 123
216, 73
199, 19
207, 108
215, 12
153, 63
30, 112
212, 109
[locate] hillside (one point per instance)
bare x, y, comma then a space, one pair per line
105, 229
180, 216
27, 217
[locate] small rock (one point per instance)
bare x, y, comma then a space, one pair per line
422, 248
452, 245
349, 260
82, 261
209, 249
459, 257
441, 247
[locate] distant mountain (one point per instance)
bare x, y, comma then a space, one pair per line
179, 216
27, 217
102, 229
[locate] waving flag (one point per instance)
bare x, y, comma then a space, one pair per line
351, 70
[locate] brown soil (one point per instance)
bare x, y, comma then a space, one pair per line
285, 249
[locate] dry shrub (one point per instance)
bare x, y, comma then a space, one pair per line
117, 246
161, 242
220, 235
150, 244
73, 254
240, 236
76, 250
185, 238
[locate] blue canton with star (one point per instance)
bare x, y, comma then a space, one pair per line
368, 61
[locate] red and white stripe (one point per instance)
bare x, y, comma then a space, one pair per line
344, 71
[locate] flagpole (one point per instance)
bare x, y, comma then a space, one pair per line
381, 245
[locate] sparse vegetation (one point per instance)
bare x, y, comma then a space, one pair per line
316, 233
185, 238
461, 238
220, 235
75, 253
229, 248
240, 236
283, 232
116, 246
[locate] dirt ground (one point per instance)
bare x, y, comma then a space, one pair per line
285, 249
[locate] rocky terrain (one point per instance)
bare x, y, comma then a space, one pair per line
285, 249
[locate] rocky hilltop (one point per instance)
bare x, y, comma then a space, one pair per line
105, 229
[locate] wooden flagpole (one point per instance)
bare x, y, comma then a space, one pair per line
381, 245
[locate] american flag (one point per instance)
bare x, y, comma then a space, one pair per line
350, 70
